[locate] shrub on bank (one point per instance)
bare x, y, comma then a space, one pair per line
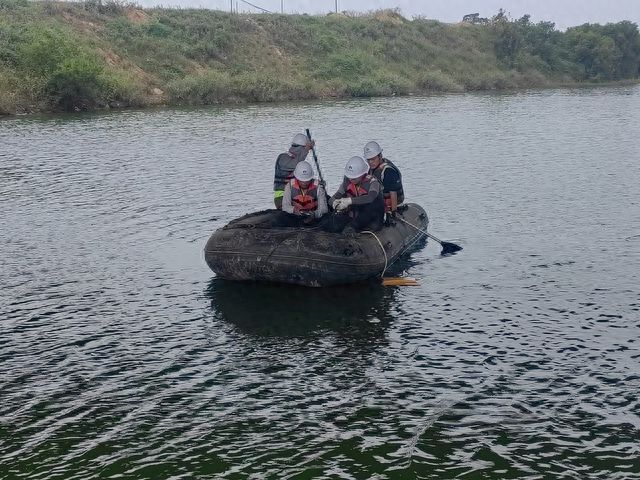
207, 88
44, 66
108, 7
8, 89
66, 75
438, 81
348, 65
214, 87
12, 5
261, 87
489, 80
78, 84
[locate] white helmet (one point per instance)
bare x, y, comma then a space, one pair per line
300, 139
372, 149
303, 172
356, 167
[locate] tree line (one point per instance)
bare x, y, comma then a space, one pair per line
586, 52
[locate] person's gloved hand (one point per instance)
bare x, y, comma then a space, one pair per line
342, 204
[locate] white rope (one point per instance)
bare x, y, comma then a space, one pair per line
386, 260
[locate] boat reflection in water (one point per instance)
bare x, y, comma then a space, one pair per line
357, 311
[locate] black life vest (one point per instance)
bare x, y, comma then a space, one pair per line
379, 174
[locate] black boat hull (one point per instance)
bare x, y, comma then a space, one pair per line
248, 249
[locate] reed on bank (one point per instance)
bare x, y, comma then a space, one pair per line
93, 54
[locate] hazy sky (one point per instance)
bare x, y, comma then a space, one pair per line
564, 13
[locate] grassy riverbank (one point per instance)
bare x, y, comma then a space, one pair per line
83, 56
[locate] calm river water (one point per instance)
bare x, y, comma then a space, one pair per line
121, 355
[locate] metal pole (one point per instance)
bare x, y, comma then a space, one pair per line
231, 6
281, 6
336, 6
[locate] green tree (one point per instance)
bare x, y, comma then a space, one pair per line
626, 37
597, 54
543, 40
508, 38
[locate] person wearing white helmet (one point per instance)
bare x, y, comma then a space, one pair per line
387, 174
358, 203
286, 164
303, 195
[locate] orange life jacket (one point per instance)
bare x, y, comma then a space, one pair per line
360, 189
305, 199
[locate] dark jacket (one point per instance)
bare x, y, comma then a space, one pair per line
286, 164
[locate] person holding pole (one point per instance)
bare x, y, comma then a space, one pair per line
286, 164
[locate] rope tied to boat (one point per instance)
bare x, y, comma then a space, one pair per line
386, 260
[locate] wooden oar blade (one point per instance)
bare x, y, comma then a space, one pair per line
399, 282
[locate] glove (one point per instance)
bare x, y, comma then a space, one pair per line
342, 204
390, 219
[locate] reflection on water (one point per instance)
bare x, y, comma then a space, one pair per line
122, 357
265, 309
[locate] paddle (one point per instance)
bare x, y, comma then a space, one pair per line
315, 158
447, 247
399, 282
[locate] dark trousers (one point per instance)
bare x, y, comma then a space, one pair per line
288, 220
368, 217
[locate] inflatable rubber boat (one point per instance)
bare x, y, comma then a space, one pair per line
255, 248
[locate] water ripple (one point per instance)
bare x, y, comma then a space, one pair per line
120, 356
